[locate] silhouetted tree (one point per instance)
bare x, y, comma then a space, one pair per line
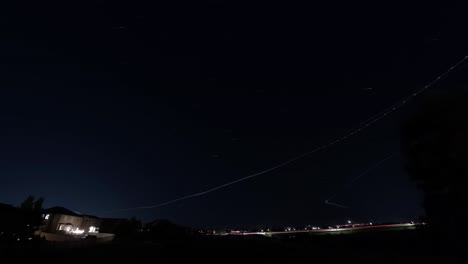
166, 230
28, 204
38, 204
31, 212
435, 147
123, 228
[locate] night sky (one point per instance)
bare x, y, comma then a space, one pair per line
115, 104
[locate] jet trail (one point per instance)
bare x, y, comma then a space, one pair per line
335, 204
374, 166
372, 120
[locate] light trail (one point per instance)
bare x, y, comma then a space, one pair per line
364, 125
365, 172
376, 165
327, 230
335, 204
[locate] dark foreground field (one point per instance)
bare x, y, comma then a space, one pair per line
375, 247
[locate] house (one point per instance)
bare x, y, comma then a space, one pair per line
60, 220
61, 224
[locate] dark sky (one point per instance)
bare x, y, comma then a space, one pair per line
115, 104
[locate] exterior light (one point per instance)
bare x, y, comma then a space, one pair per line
77, 231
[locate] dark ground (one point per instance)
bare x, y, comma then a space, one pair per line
373, 247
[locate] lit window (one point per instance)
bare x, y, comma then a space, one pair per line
93, 229
65, 227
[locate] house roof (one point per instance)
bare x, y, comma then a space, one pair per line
65, 211
60, 210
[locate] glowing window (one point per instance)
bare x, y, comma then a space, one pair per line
93, 229
65, 227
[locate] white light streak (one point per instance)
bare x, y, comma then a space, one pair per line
376, 165
372, 120
335, 204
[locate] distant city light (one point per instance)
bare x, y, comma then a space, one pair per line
370, 223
